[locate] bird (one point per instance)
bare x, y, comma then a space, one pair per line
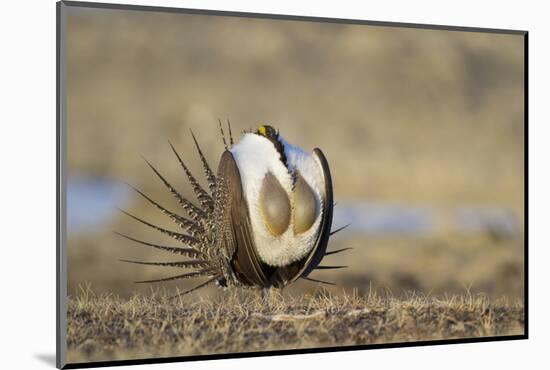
264, 221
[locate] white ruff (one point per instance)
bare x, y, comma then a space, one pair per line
255, 156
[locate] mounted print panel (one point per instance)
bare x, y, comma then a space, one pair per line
237, 184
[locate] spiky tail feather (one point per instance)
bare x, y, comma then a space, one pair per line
198, 245
195, 212
202, 285
204, 198
208, 172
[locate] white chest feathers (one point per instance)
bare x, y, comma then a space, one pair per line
285, 204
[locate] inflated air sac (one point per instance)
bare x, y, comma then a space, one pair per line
305, 205
274, 205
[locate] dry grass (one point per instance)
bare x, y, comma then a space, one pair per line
106, 327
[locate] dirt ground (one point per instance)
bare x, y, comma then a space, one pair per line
105, 327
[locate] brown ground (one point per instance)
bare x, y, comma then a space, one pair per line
105, 327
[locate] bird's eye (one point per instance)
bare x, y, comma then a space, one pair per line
305, 205
274, 205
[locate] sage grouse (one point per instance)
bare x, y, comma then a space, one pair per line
265, 222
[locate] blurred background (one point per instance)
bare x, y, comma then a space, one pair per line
423, 130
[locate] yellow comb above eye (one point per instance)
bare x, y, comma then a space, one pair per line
262, 130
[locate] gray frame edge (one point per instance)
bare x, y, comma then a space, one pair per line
61, 187
285, 17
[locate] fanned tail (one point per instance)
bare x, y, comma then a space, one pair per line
223, 134
195, 212
339, 229
337, 251
208, 172
191, 227
231, 143
183, 264
187, 239
202, 285
189, 252
330, 267
318, 281
189, 275
204, 198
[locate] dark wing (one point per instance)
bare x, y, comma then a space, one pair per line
303, 267
235, 226
322, 239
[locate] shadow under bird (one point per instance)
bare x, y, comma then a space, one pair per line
265, 221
